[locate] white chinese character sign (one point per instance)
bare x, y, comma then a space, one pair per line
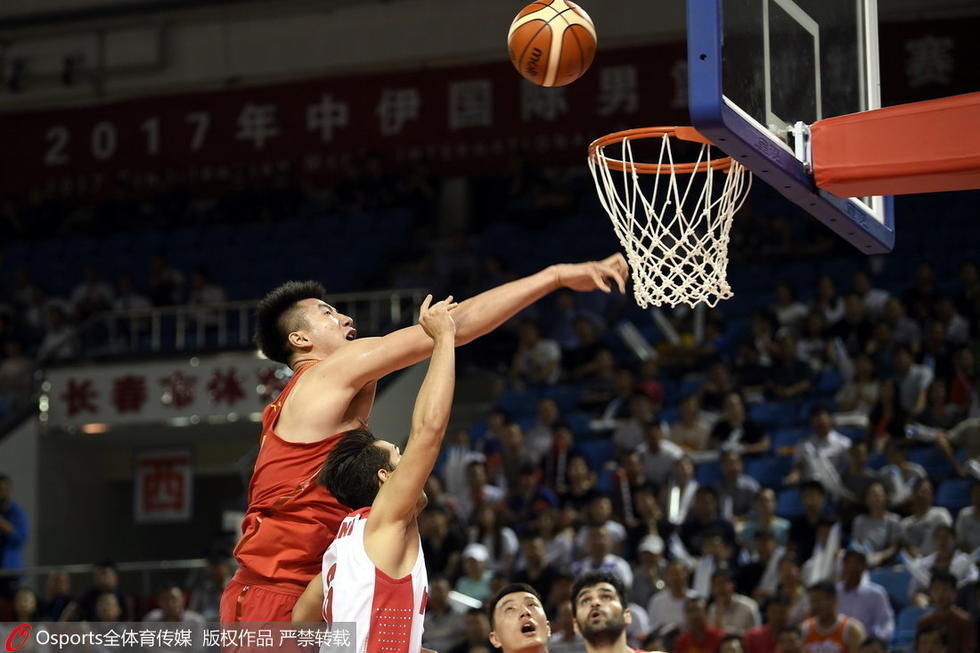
163, 486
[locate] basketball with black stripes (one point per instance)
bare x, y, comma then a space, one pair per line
552, 42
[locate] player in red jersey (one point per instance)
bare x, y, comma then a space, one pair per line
290, 518
373, 574
599, 614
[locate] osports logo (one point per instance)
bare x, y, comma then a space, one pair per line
18, 637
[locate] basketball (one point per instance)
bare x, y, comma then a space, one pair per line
552, 42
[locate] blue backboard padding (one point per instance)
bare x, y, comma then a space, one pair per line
743, 140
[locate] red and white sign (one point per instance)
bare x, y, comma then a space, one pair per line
188, 391
164, 486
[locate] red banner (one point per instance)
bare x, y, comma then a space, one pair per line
464, 119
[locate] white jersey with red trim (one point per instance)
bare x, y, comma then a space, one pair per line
387, 612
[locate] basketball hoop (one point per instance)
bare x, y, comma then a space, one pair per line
677, 246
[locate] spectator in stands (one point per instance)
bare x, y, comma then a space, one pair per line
968, 522
757, 578
442, 542
172, 608
538, 360
791, 586
764, 519
13, 534
789, 377
931, 639
827, 301
956, 623
900, 476
107, 608
856, 480
581, 360
912, 379
556, 459
752, 375
630, 432
478, 490
91, 295
435, 490
946, 558
529, 496
26, 606
105, 580
659, 454
648, 572
905, 330
667, 607
127, 297
736, 432
918, 529
691, 430
788, 311
731, 644
599, 556
535, 568
888, 420
718, 386
736, 491
206, 592
16, 373
705, 519
499, 540
803, 529
564, 636
678, 495
700, 636
58, 599
968, 297
762, 639
442, 627
811, 347
936, 354
854, 329
730, 612
921, 297
205, 293
600, 515
957, 326
165, 284
859, 394
822, 454
962, 385
628, 481
580, 489
790, 640
60, 343
828, 626
862, 599
475, 581
874, 299
539, 437
513, 456
476, 630
878, 532
939, 413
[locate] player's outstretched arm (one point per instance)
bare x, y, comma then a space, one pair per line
397, 500
369, 359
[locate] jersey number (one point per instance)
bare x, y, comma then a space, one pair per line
328, 601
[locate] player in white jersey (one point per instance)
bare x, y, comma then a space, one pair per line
373, 573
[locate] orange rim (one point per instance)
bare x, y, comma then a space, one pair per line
681, 133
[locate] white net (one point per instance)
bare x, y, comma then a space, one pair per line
676, 234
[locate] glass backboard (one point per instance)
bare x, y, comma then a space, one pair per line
758, 67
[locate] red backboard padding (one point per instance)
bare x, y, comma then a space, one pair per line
910, 148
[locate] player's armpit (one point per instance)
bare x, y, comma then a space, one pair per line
309, 607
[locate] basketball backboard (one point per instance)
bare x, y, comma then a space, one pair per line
757, 67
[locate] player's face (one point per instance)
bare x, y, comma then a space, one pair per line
519, 623
598, 609
325, 326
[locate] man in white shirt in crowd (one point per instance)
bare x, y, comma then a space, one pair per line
600, 556
730, 612
820, 456
659, 455
666, 607
865, 601
918, 529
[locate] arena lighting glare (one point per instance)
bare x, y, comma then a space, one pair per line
95, 428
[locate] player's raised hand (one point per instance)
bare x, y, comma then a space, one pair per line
435, 319
595, 275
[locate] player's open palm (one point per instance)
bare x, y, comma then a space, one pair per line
436, 319
595, 275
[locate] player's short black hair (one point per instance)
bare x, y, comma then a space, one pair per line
510, 589
824, 586
351, 469
590, 578
276, 317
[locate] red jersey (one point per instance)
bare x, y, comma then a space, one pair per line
291, 519
709, 643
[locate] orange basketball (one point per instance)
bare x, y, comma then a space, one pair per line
552, 42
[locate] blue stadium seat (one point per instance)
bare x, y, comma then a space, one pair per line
580, 423
828, 383
787, 437
518, 403
932, 459
896, 583
789, 504
851, 431
597, 452
769, 471
566, 396
905, 625
708, 473
774, 413
954, 494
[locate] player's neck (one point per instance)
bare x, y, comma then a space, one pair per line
301, 364
543, 648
